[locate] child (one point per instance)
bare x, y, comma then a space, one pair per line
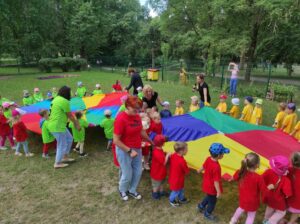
98, 90
256, 117
37, 95
49, 95
212, 184
48, 139
179, 107
117, 87
294, 200
155, 124
222, 106
2, 100
165, 113
122, 107
280, 116
79, 136
27, 99
20, 134
178, 171
276, 198
146, 145
5, 131
248, 109
296, 132
250, 186
235, 110
140, 92
81, 90
108, 125
54, 92
194, 104
158, 170
290, 120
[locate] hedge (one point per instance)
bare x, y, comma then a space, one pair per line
64, 63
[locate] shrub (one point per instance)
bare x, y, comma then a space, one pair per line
79, 64
283, 91
64, 63
46, 64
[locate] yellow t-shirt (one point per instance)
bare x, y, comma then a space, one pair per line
257, 114
194, 107
235, 111
289, 122
179, 111
247, 112
297, 129
222, 107
279, 119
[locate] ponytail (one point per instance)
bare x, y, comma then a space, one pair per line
251, 161
243, 169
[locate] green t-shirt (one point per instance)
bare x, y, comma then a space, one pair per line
28, 101
79, 136
38, 97
122, 108
58, 114
140, 95
8, 115
54, 94
97, 91
46, 135
2, 100
108, 125
80, 92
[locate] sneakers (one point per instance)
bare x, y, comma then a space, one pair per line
164, 194
3, 148
29, 154
18, 154
45, 156
184, 201
83, 154
146, 166
135, 195
68, 160
200, 208
124, 196
210, 217
156, 195
76, 150
60, 165
174, 203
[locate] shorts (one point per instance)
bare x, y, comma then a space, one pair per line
294, 210
157, 183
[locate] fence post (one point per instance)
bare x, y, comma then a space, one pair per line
222, 78
269, 77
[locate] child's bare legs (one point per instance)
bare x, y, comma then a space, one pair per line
146, 162
109, 143
81, 146
293, 219
235, 218
273, 216
156, 186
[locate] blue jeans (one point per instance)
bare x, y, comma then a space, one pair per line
176, 195
208, 203
130, 170
64, 143
233, 85
25, 146
201, 104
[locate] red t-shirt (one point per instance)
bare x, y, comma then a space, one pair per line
20, 132
156, 128
178, 170
250, 188
158, 169
212, 173
294, 176
4, 126
117, 87
129, 128
276, 198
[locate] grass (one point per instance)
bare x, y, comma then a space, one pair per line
32, 191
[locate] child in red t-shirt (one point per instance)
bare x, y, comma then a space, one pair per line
20, 134
156, 125
158, 170
276, 198
145, 145
212, 184
178, 170
294, 200
251, 186
117, 87
5, 131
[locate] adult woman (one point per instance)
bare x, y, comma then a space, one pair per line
150, 98
234, 69
128, 134
203, 90
60, 112
135, 81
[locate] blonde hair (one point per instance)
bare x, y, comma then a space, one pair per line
155, 115
179, 146
194, 98
146, 88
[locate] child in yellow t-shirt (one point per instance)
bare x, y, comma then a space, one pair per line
179, 107
248, 109
256, 117
194, 104
290, 120
280, 116
235, 110
222, 106
296, 131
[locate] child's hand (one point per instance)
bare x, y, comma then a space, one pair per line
271, 187
219, 194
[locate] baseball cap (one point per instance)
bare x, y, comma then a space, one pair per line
235, 101
166, 103
249, 99
139, 88
291, 106
98, 85
218, 149
25, 93
259, 101
107, 112
223, 96
79, 83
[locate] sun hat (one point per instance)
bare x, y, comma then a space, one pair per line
259, 101
218, 149
235, 101
124, 98
223, 96
98, 85
36, 89
279, 164
139, 88
249, 99
49, 94
159, 140
15, 113
291, 106
25, 93
107, 112
194, 98
166, 103
79, 83
5, 104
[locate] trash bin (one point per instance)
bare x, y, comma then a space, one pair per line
153, 74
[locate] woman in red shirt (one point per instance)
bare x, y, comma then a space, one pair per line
128, 134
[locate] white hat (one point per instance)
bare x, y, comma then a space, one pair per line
79, 83
107, 112
235, 101
166, 103
194, 98
98, 85
139, 88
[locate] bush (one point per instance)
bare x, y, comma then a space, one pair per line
79, 64
64, 63
46, 64
283, 91
252, 91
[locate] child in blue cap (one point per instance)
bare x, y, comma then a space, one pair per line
212, 184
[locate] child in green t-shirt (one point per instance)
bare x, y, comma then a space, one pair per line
48, 139
81, 90
122, 107
98, 90
108, 125
79, 136
140, 92
54, 92
27, 99
37, 95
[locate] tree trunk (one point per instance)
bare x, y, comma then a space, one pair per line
242, 60
289, 68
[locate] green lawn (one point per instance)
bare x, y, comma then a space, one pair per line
31, 191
